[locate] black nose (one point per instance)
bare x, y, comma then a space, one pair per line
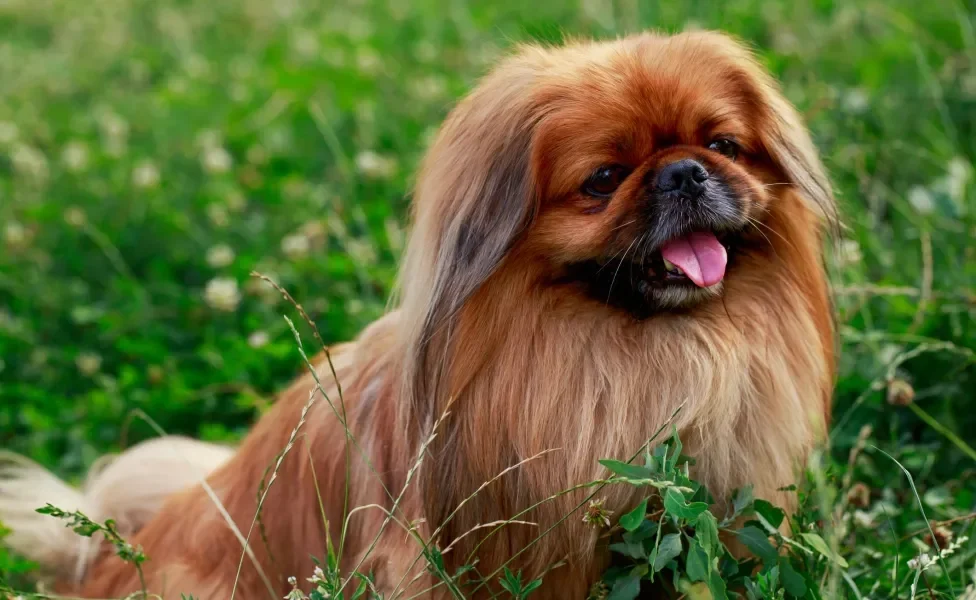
686, 176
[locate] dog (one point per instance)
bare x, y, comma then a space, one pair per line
608, 237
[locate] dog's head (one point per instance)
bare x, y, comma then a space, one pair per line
639, 168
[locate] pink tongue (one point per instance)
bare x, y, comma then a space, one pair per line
700, 257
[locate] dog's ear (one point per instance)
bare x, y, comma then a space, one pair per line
789, 144
785, 137
474, 198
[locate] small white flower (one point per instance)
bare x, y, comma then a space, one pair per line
430, 87
921, 200
220, 255
296, 246
217, 160
15, 235
29, 161
920, 562
375, 165
75, 216
863, 519
145, 175
222, 293
305, 44
957, 178
8, 132
318, 575
88, 363
113, 126
368, 60
355, 306
856, 100
258, 339
74, 156
849, 252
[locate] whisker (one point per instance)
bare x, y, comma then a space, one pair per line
620, 264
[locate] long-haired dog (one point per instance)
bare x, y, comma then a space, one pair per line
603, 233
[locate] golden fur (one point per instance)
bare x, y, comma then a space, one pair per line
487, 332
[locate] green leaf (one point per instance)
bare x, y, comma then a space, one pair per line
675, 504
632, 550
791, 580
769, 512
625, 589
644, 531
531, 587
669, 549
697, 565
820, 546
632, 520
706, 533
717, 586
758, 543
676, 448
743, 500
626, 470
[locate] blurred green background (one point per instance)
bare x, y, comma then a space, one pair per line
154, 153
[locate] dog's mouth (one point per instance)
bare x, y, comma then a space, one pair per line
681, 271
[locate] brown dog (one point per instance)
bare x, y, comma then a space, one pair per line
603, 233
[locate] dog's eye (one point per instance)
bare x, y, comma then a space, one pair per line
725, 147
605, 181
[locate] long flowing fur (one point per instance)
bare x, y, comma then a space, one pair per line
509, 364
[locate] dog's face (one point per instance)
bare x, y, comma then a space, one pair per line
652, 170
641, 174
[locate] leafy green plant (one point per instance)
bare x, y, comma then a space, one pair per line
85, 527
672, 539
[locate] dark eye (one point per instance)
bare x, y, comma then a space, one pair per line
725, 147
605, 181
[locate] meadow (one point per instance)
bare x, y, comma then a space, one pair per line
154, 153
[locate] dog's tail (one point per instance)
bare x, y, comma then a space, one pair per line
128, 488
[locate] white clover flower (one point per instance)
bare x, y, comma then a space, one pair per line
75, 216
8, 132
296, 246
145, 175
856, 100
427, 88
374, 165
74, 156
849, 252
361, 251
355, 306
217, 160
222, 293
863, 519
305, 44
368, 61
88, 363
258, 339
15, 235
957, 178
113, 126
921, 200
29, 161
220, 255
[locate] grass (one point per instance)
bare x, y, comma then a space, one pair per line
153, 154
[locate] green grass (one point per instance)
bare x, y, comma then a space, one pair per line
152, 151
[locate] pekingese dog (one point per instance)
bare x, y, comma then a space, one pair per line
603, 232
